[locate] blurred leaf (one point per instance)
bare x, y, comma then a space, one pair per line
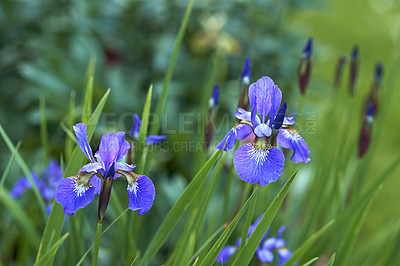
43, 127
177, 210
297, 255
9, 164
212, 255
331, 260
249, 249
25, 170
20, 216
87, 104
310, 261
47, 258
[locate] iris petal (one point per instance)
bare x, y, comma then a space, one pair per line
262, 130
242, 131
73, 196
81, 137
230, 140
112, 148
154, 139
141, 194
290, 139
225, 254
257, 165
265, 255
134, 132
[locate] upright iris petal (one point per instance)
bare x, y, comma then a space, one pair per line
134, 132
258, 165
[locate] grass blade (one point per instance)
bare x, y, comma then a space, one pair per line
331, 260
217, 247
9, 164
246, 253
310, 261
171, 68
24, 167
299, 252
43, 127
55, 222
46, 259
87, 104
20, 216
177, 210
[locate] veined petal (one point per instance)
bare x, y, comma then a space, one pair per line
263, 91
112, 148
290, 139
81, 137
230, 140
134, 132
258, 165
288, 120
253, 103
275, 97
141, 192
90, 167
76, 192
265, 255
225, 254
242, 114
262, 130
154, 139
242, 131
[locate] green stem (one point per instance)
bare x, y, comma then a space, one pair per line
250, 213
97, 243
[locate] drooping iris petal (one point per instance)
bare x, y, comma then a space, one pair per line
81, 137
283, 255
258, 165
288, 120
290, 139
154, 139
275, 97
134, 132
141, 194
230, 140
90, 167
20, 186
225, 254
243, 114
265, 255
242, 131
73, 196
262, 130
124, 166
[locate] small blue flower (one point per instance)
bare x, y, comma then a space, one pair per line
134, 132
78, 191
265, 250
261, 161
213, 102
46, 186
245, 76
308, 49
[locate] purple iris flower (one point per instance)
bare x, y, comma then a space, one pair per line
46, 186
134, 132
265, 251
261, 161
78, 191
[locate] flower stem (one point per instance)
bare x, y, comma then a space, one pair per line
97, 243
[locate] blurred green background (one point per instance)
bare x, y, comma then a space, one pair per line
45, 48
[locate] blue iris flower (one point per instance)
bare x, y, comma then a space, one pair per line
46, 185
134, 132
265, 251
78, 191
261, 161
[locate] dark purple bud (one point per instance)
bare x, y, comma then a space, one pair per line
106, 192
277, 124
308, 49
245, 77
353, 69
303, 74
214, 97
339, 70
